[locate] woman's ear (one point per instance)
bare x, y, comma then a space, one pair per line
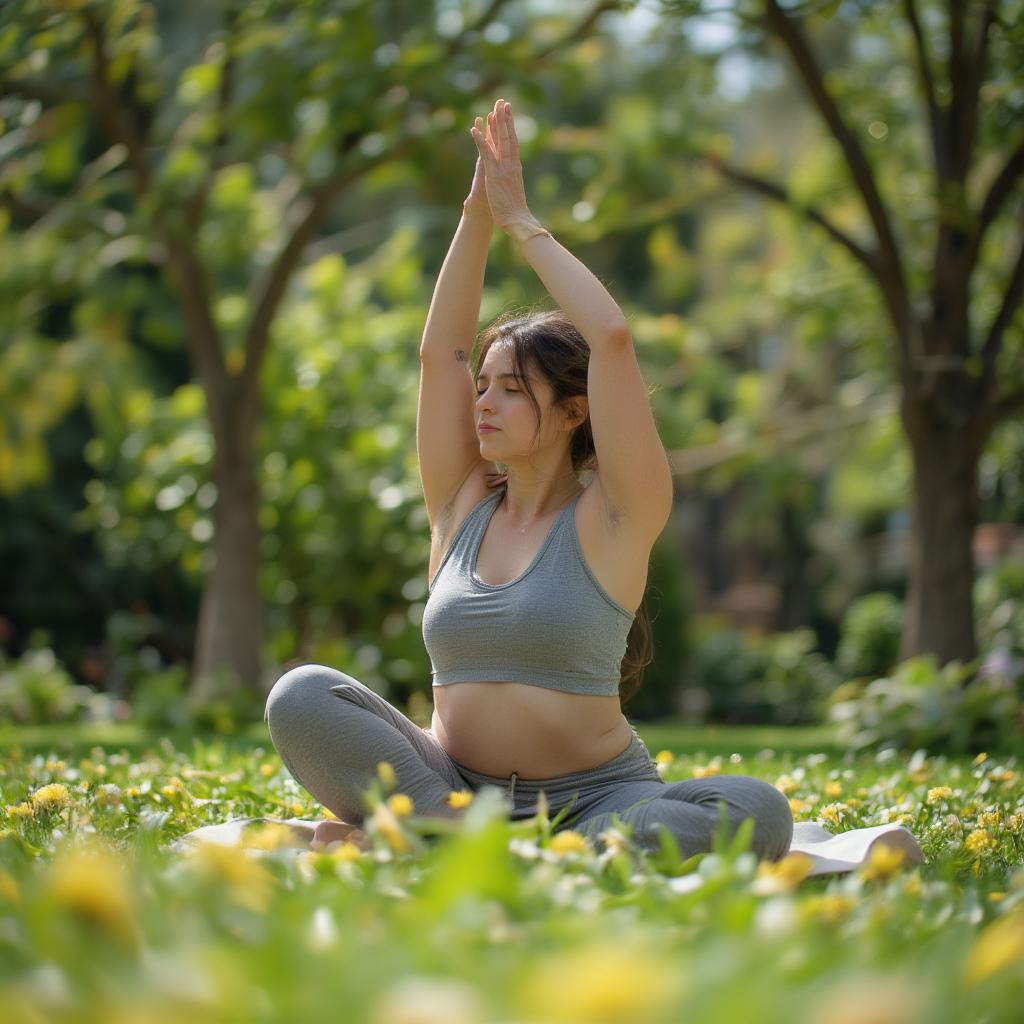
577, 410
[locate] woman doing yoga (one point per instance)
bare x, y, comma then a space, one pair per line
535, 579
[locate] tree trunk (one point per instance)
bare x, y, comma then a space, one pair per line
944, 514
231, 627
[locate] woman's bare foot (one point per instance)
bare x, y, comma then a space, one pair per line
331, 831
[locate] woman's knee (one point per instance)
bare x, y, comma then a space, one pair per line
773, 828
299, 691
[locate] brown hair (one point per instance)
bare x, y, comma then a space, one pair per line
550, 342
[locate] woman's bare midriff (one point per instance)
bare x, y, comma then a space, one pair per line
497, 728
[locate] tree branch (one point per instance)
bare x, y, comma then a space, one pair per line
115, 119
975, 76
779, 193
196, 206
1011, 303
1006, 406
895, 290
924, 68
1001, 187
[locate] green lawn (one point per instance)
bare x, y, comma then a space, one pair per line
497, 922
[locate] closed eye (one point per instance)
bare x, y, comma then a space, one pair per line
511, 391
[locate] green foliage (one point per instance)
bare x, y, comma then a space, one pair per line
37, 689
954, 708
999, 606
869, 640
774, 679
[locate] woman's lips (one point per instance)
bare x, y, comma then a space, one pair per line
487, 430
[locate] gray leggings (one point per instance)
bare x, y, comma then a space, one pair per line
331, 731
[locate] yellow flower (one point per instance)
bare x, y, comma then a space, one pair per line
569, 841
996, 897
832, 813
91, 881
990, 819
1000, 945
798, 806
711, 768
608, 982
55, 767
1015, 822
345, 851
883, 863
829, 906
664, 757
919, 776
270, 835
786, 784
980, 758
53, 797
9, 891
401, 804
133, 791
938, 793
459, 798
782, 875
833, 788
912, 886
979, 841
386, 774
1003, 775
248, 881
266, 770
22, 810
175, 790
384, 821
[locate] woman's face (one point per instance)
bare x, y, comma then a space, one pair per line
501, 402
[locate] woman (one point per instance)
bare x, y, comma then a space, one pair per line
535, 578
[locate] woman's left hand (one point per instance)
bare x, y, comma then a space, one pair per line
503, 173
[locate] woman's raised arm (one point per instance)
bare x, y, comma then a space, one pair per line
633, 469
447, 445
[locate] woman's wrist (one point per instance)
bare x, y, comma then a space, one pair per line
523, 227
477, 215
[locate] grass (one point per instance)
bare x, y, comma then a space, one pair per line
497, 922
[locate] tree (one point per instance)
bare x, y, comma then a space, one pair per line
947, 264
219, 174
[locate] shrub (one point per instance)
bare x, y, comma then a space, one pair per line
953, 709
36, 689
869, 635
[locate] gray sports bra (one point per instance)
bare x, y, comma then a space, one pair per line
555, 626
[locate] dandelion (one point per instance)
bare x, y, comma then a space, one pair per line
266, 770
386, 774
782, 875
786, 784
830, 906
982, 757
248, 881
711, 768
270, 835
798, 806
22, 810
883, 863
990, 819
91, 881
833, 788
384, 821
996, 897
175, 791
1000, 945
108, 795
832, 813
345, 851
568, 841
605, 983
9, 891
665, 757
55, 767
53, 797
938, 793
1007, 775
979, 841
1015, 822
400, 804
459, 798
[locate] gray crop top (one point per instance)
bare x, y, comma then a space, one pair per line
555, 626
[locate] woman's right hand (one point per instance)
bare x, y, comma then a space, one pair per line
476, 204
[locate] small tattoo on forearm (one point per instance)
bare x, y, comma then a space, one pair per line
460, 355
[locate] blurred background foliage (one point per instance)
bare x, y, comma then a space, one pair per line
765, 345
